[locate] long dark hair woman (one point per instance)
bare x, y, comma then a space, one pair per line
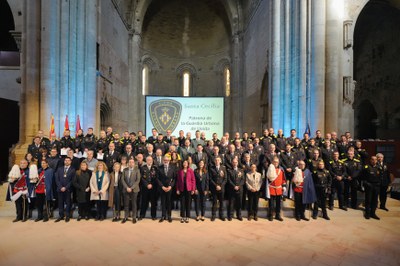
185, 186
202, 188
82, 188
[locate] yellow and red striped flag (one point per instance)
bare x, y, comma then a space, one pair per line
51, 125
66, 124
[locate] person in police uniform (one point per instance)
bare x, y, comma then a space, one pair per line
353, 170
385, 181
89, 141
67, 141
35, 147
288, 162
322, 183
218, 179
236, 179
371, 175
166, 178
148, 189
338, 173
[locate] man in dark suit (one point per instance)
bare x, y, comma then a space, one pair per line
111, 156
130, 187
63, 178
166, 181
34, 148
200, 155
218, 181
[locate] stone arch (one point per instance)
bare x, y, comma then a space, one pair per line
7, 42
105, 114
366, 120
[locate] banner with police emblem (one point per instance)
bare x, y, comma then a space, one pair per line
165, 114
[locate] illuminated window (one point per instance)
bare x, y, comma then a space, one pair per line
186, 83
227, 82
145, 80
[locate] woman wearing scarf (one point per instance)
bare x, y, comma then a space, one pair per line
99, 183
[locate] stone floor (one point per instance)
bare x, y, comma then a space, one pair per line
348, 239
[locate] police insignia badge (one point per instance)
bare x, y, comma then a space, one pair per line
165, 114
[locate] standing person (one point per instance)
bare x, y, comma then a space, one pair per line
166, 178
185, 186
236, 179
338, 173
148, 188
276, 187
99, 183
372, 181
18, 189
63, 177
44, 192
130, 187
114, 191
218, 179
301, 176
253, 182
322, 183
82, 188
353, 170
202, 187
385, 181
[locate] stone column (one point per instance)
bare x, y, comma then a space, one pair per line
302, 68
235, 109
30, 77
317, 93
276, 64
136, 116
287, 90
334, 43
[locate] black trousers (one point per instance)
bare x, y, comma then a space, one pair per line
101, 207
166, 203
274, 203
200, 203
252, 208
383, 196
21, 206
299, 207
84, 209
243, 199
64, 198
218, 197
371, 197
130, 198
321, 200
338, 188
148, 195
117, 201
41, 206
235, 201
186, 201
350, 189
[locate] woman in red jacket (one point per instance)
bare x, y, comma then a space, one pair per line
185, 186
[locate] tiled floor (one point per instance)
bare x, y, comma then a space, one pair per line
348, 239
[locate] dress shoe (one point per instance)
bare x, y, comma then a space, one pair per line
240, 218
58, 219
202, 218
140, 218
343, 208
16, 220
223, 219
229, 219
384, 208
279, 218
366, 216
255, 218
67, 219
249, 218
314, 216
101, 219
182, 220
304, 218
87, 218
38, 219
161, 220
170, 220
212, 218
133, 220
331, 208
197, 218
153, 218
374, 216
124, 220
298, 218
187, 220
326, 217
79, 218
24, 220
114, 219
269, 218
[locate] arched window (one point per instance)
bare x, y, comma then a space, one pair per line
227, 81
145, 80
186, 83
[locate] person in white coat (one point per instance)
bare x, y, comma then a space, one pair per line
253, 182
99, 183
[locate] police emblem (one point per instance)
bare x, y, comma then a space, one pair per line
165, 114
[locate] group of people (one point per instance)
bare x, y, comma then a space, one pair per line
131, 172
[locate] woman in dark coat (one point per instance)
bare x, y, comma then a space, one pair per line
202, 188
81, 184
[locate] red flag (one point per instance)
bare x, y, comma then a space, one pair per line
66, 124
78, 124
51, 125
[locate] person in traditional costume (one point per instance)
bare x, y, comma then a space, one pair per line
276, 185
44, 192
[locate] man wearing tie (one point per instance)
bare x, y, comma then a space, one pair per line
236, 180
130, 185
218, 180
200, 155
166, 181
63, 178
111, 156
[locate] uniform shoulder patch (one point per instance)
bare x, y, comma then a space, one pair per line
356, 160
